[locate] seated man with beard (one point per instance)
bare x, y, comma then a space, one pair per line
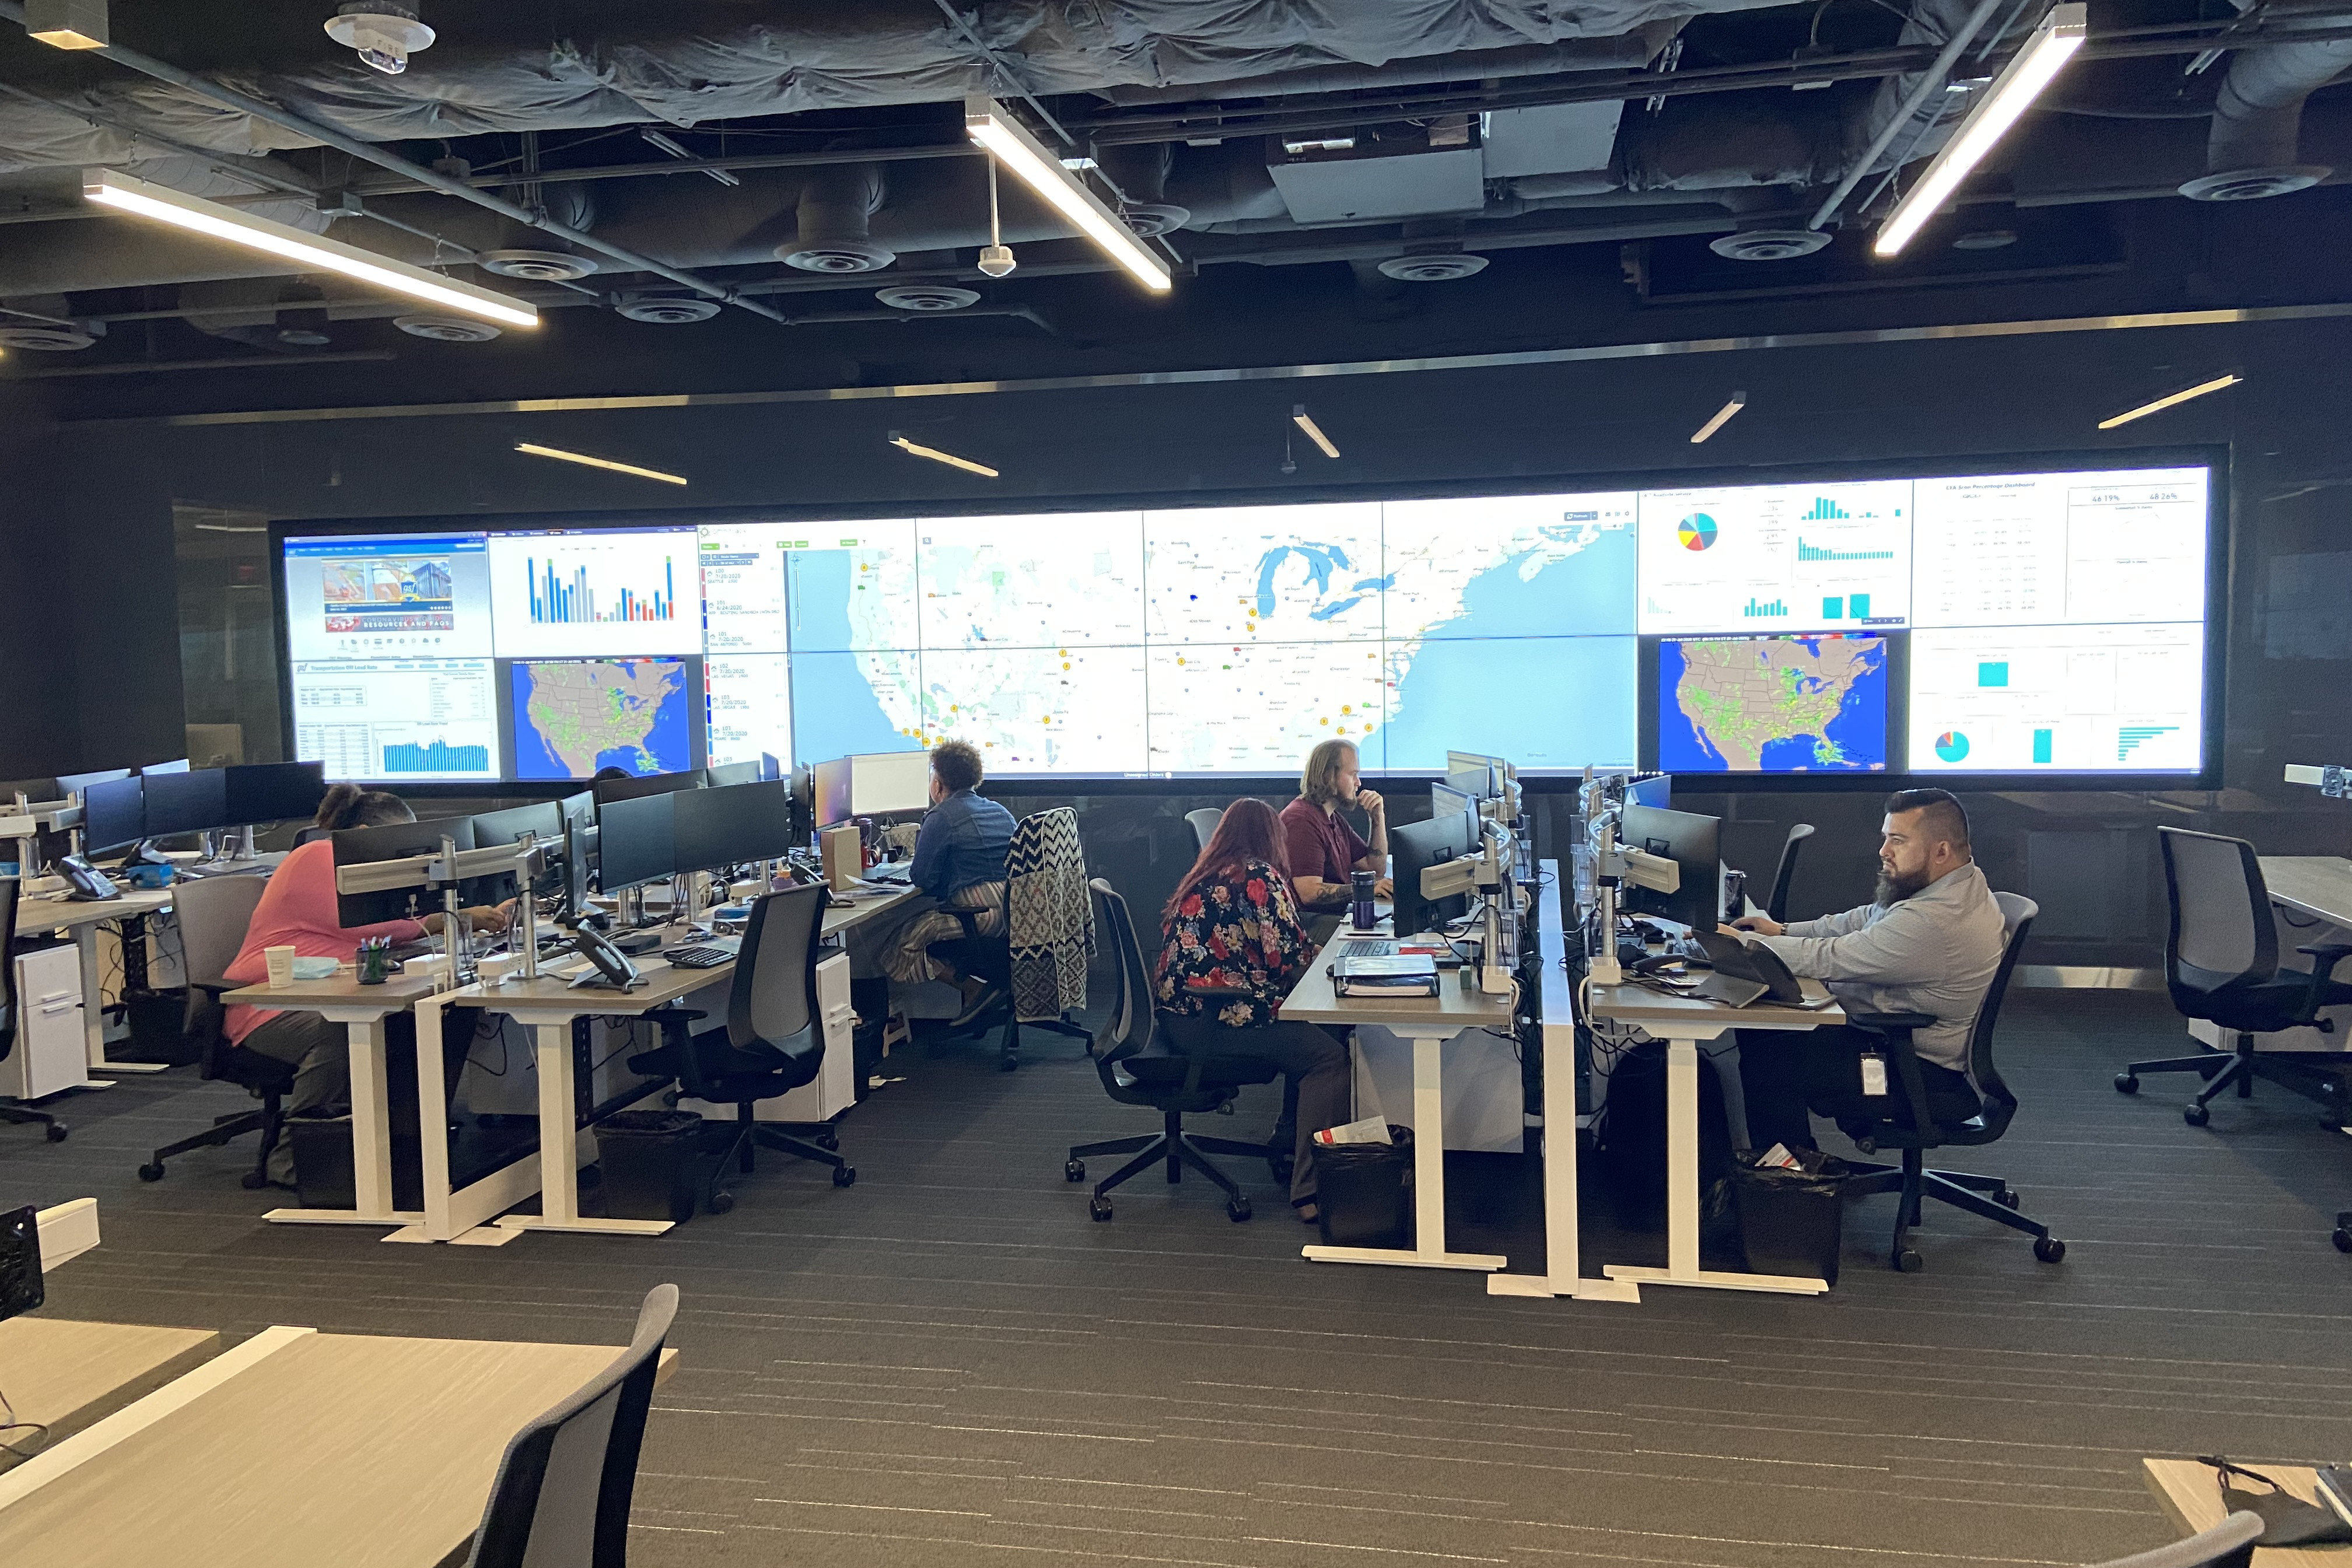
1929, 945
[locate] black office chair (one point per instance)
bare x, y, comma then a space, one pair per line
1136, 1068
1914, 1128
1778, 905
2229, 1544
989, 959
2221, 964
772, 1044
15, 1115
214, 914
1203, 823
563, 1485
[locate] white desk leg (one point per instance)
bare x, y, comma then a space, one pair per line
1563, 1264
371, 1142
559, 1149
1682, 1197
93, 1009
1428, 1250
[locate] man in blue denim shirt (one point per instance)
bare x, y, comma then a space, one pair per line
958, 864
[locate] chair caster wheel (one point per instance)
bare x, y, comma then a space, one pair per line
1237, 1211
2127, 1084
2006, 1197
1907, 1262
2049, 1248
1281, 1171
55, 1134
1100, 1208
252, 1181
845, 1175
2342, 1237
152, 1173
1008, 1064
2195, 1115
721, 1202
1075, 1171
828, 1142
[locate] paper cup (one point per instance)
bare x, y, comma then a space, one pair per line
281, 966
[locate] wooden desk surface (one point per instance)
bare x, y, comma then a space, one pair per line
66, 1375
356, 1450
1313, 1001
2317, 885
870, 902
42, 913
2191, 1495
1669, 1017
340, 990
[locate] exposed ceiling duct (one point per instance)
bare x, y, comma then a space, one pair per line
2258, 120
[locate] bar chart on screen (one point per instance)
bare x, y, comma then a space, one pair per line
570, 595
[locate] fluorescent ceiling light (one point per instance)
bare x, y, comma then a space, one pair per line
936, 456
67, 23
311, 252
1722, 418
2171, 400
2054, 43
985, 121
1298, 417
562, 456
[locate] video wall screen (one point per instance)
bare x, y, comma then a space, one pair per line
2053, 622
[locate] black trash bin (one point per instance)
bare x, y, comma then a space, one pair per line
1792, 1222
323, 1176
652, 1162
1363, 1192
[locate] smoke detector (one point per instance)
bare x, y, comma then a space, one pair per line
384, 35
667, 309
537, 265
44, 339
448, 329
926, 298
1432, 267
1768, 244
2253, 184
996, 260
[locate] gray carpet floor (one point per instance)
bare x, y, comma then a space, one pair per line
949, 1364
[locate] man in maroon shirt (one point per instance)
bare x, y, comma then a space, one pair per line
1324, 849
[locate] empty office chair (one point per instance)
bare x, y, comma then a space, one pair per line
1203, 824
15, 1115
1913, 1129
2229, 1544
213, 912
1778, 905
1039, 961
1137, 1068
2221, 964
772, 1044
562, 1494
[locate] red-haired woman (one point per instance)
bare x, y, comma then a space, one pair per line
1234, 948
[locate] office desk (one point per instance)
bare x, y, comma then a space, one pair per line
1428, 1022
67, 1376
294, 1449
1683, 1022
2315, 885
2191, 1495
38, 914
361, 1009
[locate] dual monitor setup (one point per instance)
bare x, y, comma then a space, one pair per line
122, 810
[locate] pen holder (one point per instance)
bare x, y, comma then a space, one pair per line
375, 962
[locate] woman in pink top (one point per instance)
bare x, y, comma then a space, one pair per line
298, 910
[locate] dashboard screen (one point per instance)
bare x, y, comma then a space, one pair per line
2013, 623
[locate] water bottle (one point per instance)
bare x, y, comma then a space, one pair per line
1364, 914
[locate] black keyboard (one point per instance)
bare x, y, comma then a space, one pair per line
1372, 948
698, 957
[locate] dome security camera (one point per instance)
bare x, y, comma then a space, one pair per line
384, 35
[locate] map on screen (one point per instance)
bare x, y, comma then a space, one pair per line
573, 717
1773, 704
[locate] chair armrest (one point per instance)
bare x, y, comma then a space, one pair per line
2326, 955
1892, 1024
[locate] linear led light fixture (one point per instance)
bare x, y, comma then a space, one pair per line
918, 449
1722, 418
2171, 400
311, 252
67, 23
2054, 43
560, 455
1299, 417
1004, 136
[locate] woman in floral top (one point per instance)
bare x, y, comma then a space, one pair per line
1234, 948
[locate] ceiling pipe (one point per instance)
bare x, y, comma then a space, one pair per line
2251, 150
229, 98
1930, 84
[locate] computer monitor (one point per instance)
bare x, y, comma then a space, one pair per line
493, 829
1414, 848
726, 826
194, 800
42, 790
830, 787
274, 792
652, 784
883, 783
392, 841
74, 784
1694, 843
727, 773
113, 814
1462, 766
1657, 790
1444, 800
771, 766
637, 840
177, 765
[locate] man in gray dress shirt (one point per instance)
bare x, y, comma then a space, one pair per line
1928, 943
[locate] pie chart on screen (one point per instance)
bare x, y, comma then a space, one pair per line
1696, 532
1952, 746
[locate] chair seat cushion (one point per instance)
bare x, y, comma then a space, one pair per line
252, 1070
2271, 1005
758, 1071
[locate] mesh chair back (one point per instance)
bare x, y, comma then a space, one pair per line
9, 889
214, 913
774, 997
2222, 933
1130, 1015
1205, 824
1782, 874
2017, 917
561, 1496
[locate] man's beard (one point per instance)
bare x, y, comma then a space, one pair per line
1893, 887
